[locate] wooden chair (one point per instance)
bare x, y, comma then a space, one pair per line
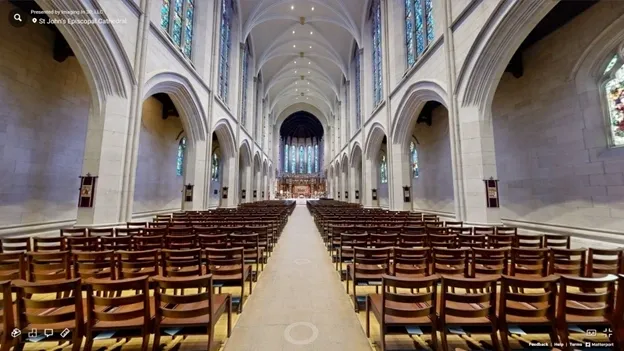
80, 243
228, 268
36, 311
383, 240
586, 301
601, 262
151, 242
393, 309
454, 224
136, 224
6, 316
118, 243
489, 262
213, 241
106, 311
132, 264
529, 262
123, 232
155, 231
194, 311
450, 261
567, 261
557, 240
470, 240
12, 266
529, 240
101, 232
369, 265
47, 243
474, 308
8, 245
487, 231
94, 264
44, 266
447, 241
73, 232
498, 241
410, 262
251, 245
181, 263
536, 308
179, 242
412, 240
460, 230
503, 230
345, 250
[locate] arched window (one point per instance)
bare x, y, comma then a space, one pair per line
224, 49
301, 159
316, 159
358, 105
614, 91
246, 55
293, 159
377, 66
418, 28
180, 156
176, 18
414, 160
286, 158
383, 169
310, 159
215, 167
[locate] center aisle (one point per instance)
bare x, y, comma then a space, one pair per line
299, 302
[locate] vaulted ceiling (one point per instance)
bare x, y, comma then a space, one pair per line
302, 48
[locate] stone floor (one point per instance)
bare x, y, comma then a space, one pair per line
299, 302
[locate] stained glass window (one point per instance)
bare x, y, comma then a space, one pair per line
293, 159
245, 82
286, 158
180, 156
176, 18
301, 159
215, 167
316, 159
418, 28
310, 159
414, 160
358, 106
614, 89
383, 170
224, 50
377, 61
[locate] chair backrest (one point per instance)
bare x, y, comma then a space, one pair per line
383, 240
448, 241
489, 261
178, 241
477, 301
94, 264
42, 266
538, 304
152, 242
215, 241
132, 264
47, 243
460, 230
557, 240
136, 224
35, 297
371, 260
411, 261
73, 231
171, 302
529, 261
470, 240
225, 261
118, 243
450, 261
352, 240
414, 229
21, 244
102, 232
82, 243
104, 303
503, 230
12, 266
436, 229
496, 241
586, 297
487, 231
605, 261
181, 263
119, 232
529, 240
568, 261
155, 231
413, 240
423, 303
454, 224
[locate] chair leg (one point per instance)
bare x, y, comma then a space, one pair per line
355, 300
76, 342
156, 346
367, 317
146, 338
563, 335
242, 298
434, 336
504, 333
495, 341
382, 334
89, 341
229, 317
6, 343
443, 336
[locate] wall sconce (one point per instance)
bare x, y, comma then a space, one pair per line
339, 194
374, 194
225, 192
255, 194
188, 192
244, 193
491, 192
346, 195
216, 191
263, 194
406, 193
86, 194
357, 194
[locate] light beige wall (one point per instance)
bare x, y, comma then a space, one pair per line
551, 148
433, 189
44, 107
157, 187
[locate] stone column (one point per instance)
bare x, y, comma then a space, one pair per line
401, 169
194, 173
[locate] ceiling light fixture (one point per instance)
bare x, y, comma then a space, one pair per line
295, 70
296, 89
311, 32
293, 32
292, 7
295, 83
294, 46
312, 8
309, 62
308, 72
310, 46
295, 62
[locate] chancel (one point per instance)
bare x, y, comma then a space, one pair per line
261, 175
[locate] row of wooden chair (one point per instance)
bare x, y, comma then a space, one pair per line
476, 302
127, 307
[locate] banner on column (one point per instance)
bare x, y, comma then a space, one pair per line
87, 190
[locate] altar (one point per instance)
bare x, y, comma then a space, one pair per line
301, 186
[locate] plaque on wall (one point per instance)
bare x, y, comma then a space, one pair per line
225, 192
188, 193
491, 192
374, 194
87, 190
244, 193
357, 194
255, 194
346, 195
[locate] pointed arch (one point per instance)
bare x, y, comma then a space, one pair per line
245, 152
356, 154
373, 141
225, 134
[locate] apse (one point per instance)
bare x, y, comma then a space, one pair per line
301, 137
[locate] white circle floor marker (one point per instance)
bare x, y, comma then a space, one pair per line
301, 261
290, 339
